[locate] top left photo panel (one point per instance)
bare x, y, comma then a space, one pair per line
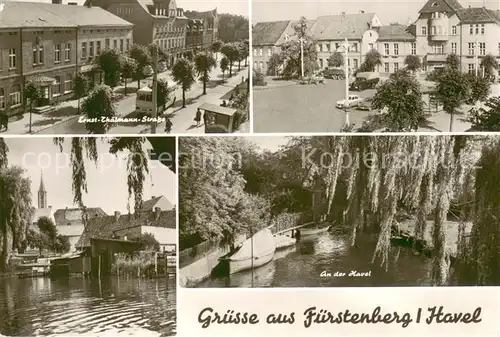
124, 67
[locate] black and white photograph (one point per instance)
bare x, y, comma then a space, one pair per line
124, 66
339, 211
88, 236
376, 66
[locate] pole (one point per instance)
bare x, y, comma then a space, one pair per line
302, 57
251, 251
476, 57
155, 87
346, 69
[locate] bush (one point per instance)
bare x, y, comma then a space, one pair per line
259, 78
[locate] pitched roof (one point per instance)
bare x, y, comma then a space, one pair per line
105, 227
201, 15
149, 205
64, 216
337, 27
395, 32
478, 14
441, 6
268, 33
37, 213
17, 14
71, 230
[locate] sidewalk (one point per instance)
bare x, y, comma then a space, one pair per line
183, 118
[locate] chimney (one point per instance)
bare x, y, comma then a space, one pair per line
124, 238
117, 216
157, 213
362, 12
50, 207
152, 197
470, 6
89, 3
73, 3
57, 2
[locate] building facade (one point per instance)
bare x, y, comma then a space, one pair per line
202, 29
443, 27
47, 44
160, 22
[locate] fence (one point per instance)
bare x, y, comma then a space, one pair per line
288, 220
193, 254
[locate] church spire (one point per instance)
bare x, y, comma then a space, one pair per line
42, 193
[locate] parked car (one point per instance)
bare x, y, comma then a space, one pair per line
334, 73
352, 102
364, 80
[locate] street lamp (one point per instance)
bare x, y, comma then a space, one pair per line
345, 49
147, 72
301, 57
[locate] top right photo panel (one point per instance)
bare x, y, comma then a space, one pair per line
376, 66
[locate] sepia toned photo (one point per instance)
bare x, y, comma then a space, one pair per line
376, 66
338, 211
123, 67
88, 236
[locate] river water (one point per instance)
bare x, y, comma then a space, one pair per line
329, 254
116, 307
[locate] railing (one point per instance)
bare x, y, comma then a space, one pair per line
193, 254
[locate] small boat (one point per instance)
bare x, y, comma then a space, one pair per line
244, 257
313, 230
282, 241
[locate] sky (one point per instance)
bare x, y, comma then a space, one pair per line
271, 143
238, 7
388, 11
107, 183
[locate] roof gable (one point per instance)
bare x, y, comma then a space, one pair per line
268, 33
441, 6
65, 216
478, 15
338, 27
395, 32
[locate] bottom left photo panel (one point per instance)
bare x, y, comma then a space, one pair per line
88, 237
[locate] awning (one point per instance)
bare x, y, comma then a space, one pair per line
41, 80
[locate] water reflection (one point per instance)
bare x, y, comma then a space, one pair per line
41, 306
331, 253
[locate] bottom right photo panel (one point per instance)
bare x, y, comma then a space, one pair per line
339, 211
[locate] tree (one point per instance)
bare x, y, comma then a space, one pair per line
61, 244
216, 46
142, 57
98, 108
231, 53
336, 60
203, 65
486, 118
452, 90
243, 52
148, 242
31, 94
479, 87
183, 75
453, 61
80, 86
402, 98
413, 63
47, 227
110, 64
163, 95
15, 209
489, 64
129, 68
275, 62
373, 59
224, 64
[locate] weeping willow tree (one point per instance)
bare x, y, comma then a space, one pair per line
421, 175
86, 148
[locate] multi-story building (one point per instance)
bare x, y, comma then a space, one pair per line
331, 31
47, 44
155, 21
267, 38
202, 29
444, 27
394, 43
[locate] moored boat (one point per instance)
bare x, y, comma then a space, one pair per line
248, 257
313, 230
282, 241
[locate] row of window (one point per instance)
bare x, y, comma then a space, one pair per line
475, 29
396, 49
327, 47
170, 43
323, 63
170, 28
387, 68
93, 48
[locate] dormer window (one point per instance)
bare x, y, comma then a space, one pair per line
434, 4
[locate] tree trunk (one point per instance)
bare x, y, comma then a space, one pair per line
78, 105
452, 115
239, 65
231, 69
125, 80
183, 98
138, 84
204, 87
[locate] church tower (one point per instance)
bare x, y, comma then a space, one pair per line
42, 194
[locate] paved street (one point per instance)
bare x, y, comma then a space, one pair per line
284, 106
65, 119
